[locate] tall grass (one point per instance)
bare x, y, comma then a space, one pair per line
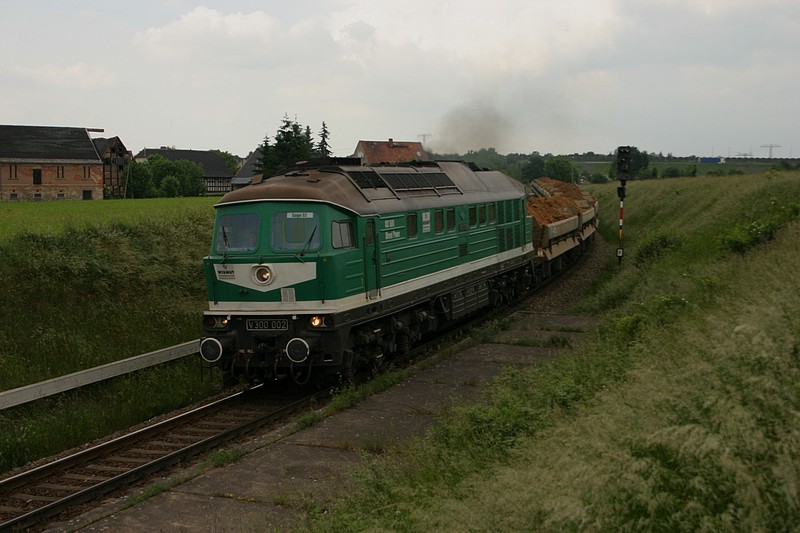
101, 286
681, 414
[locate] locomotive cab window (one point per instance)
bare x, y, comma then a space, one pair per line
342, 234
237, 233
295, 231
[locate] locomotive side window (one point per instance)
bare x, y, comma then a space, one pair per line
411, 225
473, 216
482, 214
295, 231
342, 234
370, 233
451, 219
438, 221
237, 233
491, 214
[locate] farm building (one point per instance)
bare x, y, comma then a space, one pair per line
217, 174
116, 162
244, 176
52, 163
390, 151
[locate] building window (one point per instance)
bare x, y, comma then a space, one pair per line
87, 194
12, 172
60, 196
60, 172
86, 173
37, 176
37, 196
13, 196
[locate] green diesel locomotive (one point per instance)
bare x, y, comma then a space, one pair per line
333, 266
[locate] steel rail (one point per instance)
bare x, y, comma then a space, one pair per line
105, 486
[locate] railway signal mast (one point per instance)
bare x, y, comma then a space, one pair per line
623, 174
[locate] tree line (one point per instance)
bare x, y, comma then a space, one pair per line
292, 143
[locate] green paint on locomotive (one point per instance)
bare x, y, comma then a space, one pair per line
331, 254
289, 237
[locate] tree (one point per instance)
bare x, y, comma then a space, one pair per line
323, 148
140, 182
639, 161
559, 168
293, 143
231, 160
534, 168
170, 187
188, 174
264, 153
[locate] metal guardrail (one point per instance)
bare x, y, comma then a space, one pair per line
53, 386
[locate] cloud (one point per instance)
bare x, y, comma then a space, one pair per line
86, 77
203, 31
531, 36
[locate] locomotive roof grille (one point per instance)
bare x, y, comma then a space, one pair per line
367, 179
404, 181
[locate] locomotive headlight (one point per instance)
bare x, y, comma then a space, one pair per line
317, 322
263, 275
215, 322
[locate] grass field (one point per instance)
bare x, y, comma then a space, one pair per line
55, 217
681, 414
702, 169
88, 283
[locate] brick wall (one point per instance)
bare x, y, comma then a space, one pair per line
24, 181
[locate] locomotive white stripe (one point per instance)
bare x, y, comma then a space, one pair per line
318, 307
286, 274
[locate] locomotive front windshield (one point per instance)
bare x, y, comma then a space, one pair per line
237, 233
295, 231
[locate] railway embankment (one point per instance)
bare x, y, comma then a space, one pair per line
85, 284
677, 411
288, 477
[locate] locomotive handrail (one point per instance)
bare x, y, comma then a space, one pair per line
43, 389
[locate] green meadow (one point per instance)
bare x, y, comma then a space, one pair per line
88, 283
682, 413
55, 217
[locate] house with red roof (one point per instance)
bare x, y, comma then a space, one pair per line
391, 151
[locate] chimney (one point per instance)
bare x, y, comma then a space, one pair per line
391, 142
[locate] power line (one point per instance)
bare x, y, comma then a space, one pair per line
770, 146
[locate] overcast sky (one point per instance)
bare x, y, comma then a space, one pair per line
687, 77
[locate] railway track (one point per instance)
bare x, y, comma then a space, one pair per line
39, 494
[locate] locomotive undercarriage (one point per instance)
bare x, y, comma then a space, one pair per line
378, 330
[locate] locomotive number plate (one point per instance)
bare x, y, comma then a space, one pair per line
267, 324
